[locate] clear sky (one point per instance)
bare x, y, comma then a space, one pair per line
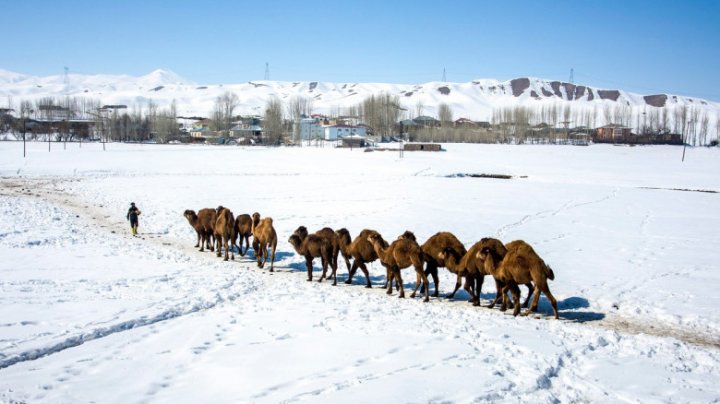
640, 46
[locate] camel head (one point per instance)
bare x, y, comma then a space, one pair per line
190, 214
408, 235
344, 236
447, 253
219, 208
301, 232
375, 237
491, 248
295, 241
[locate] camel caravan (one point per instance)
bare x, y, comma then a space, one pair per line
510, 265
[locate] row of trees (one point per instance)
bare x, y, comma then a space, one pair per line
380, 112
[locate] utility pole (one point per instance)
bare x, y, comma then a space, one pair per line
444, 77
267, 71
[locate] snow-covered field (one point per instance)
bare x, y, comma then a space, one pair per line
90, 314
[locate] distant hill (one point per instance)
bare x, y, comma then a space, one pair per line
550, 101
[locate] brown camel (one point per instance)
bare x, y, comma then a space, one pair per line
224, 232
362, 252
471, 267
433, 257
264, 236
243, 230
312, 246
332, 237
520, 264
402, 253
203, 223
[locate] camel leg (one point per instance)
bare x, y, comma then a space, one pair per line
388, 281
418, 282
427, 286
334, 274
217, 247
458, 283
347, 261
351, 273
433, 271
499, 287
203, 242
308, 264
323, 262
478, 288
232, 253
545, 289
469, 288
398, 278
530, 289
324, 269
198, 239
272, 258
366, 273
226, 242
259, 253
515, 290
535, 300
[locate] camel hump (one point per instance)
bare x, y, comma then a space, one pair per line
269, 220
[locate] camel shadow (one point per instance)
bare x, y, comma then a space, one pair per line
278, 254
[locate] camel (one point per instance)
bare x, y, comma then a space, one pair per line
332, 237
243, 230
519, 264
203, 223
362, 252
311, 246
264, 236
401, 254
433, 257
224, 231
471, 267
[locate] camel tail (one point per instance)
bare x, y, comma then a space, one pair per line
549, 272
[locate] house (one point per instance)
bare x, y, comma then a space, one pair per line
422, 147
246, 133
465, 123
426, 121
312, 128
201, 132
335, 132
611, 132
354, 141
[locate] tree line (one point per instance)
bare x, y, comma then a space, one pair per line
381, 113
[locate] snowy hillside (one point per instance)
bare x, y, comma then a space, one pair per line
474, 100
90, 314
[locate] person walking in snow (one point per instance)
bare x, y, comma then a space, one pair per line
132, 216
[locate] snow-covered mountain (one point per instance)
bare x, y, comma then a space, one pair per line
476, 100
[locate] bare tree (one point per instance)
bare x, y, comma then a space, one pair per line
296, 108
224, 109
381, 113
273, 122
445, 115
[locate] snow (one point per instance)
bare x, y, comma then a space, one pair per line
89, 313
473, 100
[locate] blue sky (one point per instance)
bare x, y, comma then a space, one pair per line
640, 46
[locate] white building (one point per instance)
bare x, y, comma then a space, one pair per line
311, 128
339, 131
